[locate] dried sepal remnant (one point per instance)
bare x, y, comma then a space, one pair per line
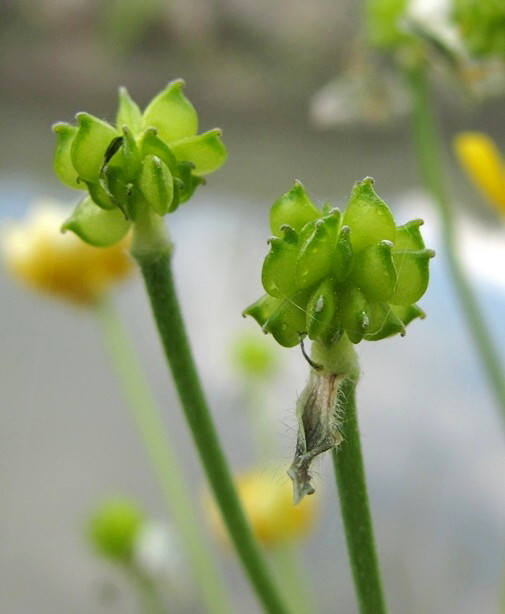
319, 419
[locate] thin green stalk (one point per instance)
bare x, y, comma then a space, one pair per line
293, 579
153, 434
152, 251
350, 475
149, 598
428, 151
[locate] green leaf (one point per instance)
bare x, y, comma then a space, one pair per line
171, 113
206, 151
62, 162
368, 217
97, 226
128, 113
374, 272
89, 146
156, 184
293, 208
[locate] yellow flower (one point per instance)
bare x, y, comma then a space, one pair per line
480, 158
267, 501
38, 254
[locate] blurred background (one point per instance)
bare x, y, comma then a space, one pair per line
433, 442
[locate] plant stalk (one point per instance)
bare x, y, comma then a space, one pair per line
428, 152
152, 251
351, 485
162, 457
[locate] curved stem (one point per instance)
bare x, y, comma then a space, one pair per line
350, 475
428, 152
153, 434
152, 251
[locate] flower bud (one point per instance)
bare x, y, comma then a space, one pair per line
113, 529
254, 356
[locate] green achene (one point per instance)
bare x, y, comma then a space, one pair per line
331, 274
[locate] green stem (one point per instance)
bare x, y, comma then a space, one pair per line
293, 579
350, 474
149, 599
153, 434
428, 151
152, 251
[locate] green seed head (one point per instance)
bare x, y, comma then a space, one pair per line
327, 275
153, 159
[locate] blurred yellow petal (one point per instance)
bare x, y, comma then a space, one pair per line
267, 499
39, 255
482, 161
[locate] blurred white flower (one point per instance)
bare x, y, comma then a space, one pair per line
157, 550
